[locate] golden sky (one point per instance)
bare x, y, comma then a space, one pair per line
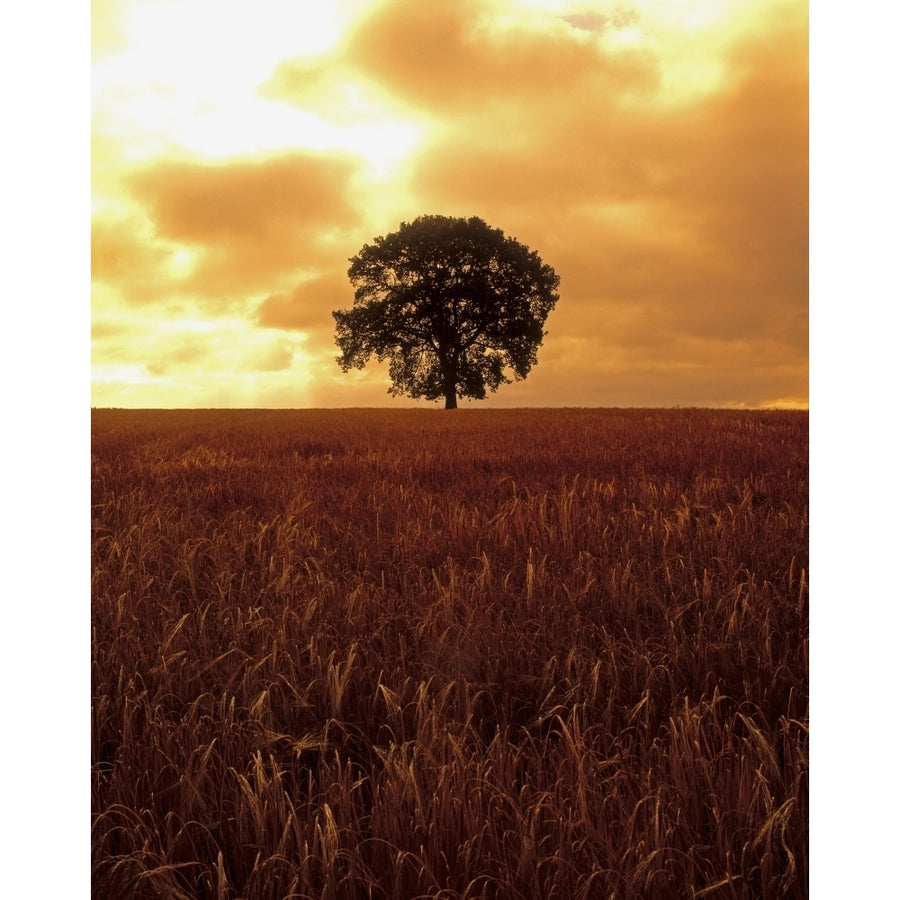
654, 152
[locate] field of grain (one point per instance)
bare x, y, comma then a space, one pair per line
478, 654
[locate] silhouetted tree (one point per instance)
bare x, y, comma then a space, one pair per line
453, 303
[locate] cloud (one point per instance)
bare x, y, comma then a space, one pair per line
659, 163
621, 17
678, 223
688, 219
107, 34
245, 200
589, 21
126, 255
221, 351
188, 345
252, 223
308, 307
460, 58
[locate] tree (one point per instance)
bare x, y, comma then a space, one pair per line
455, 304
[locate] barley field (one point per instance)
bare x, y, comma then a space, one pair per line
480, 654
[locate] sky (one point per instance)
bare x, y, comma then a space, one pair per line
654, 152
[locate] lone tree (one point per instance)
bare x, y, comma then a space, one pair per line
454, 304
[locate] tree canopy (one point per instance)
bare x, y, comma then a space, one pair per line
455, 305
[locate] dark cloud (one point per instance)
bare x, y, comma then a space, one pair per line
252, 222
589, 21
743, 162
308, 307
276, 358
451, 57
594, 21
444, 56
246, 200
684, 220
588, 370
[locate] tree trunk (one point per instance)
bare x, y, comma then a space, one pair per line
448, 376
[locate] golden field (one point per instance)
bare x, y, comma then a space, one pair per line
426, 654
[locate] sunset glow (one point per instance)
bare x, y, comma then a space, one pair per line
655, 153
